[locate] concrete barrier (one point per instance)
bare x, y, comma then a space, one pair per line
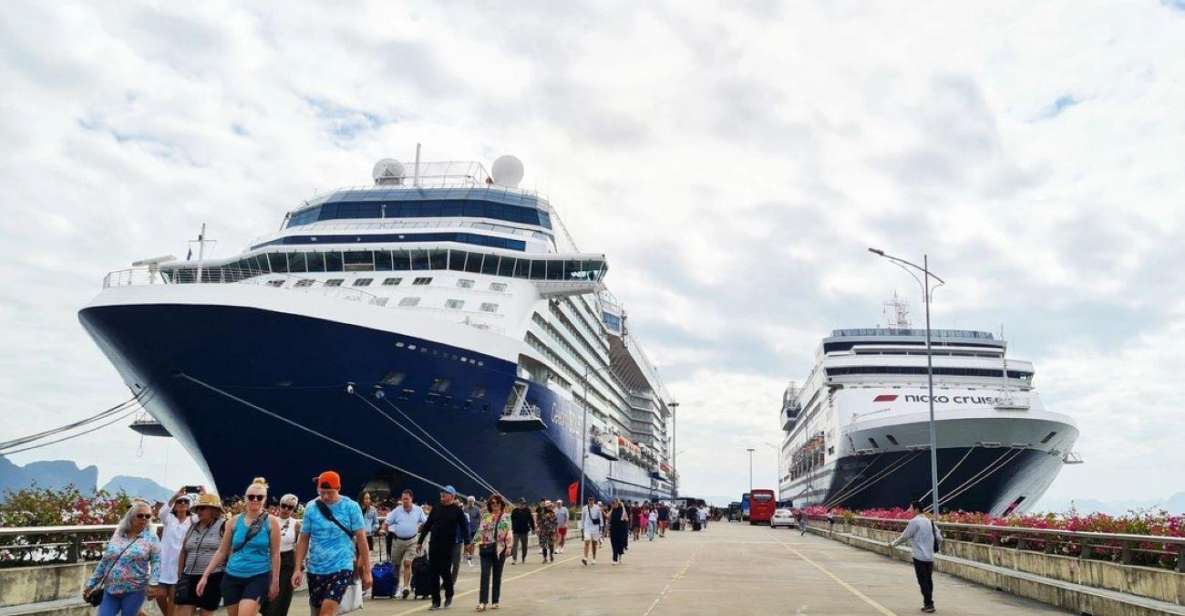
1093, 587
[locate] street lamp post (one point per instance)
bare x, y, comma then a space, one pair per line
750, 450
926, 291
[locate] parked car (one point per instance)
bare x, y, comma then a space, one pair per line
783, 517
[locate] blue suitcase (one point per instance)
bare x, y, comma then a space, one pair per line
383, 574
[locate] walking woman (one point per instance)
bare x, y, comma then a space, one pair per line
493, 544
289, 532
130, 568
175, 525
251, 551
619, 529
200, 545
370, 514
547, 532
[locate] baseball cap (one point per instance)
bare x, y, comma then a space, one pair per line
450, 490
329, 480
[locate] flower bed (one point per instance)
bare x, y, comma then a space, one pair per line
65, 507
1010, 533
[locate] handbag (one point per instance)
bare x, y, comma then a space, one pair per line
491, 549
96, 596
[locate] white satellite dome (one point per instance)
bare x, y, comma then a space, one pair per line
507, 170
388, 171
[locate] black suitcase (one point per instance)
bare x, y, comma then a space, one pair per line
421, 578
695, 525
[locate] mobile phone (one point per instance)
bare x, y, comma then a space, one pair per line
191, 489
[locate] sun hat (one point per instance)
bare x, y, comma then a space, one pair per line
208, 500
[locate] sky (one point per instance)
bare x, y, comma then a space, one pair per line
734, 160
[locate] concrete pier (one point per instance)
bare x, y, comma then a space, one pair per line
727, 569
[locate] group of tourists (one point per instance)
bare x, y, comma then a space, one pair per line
618, 520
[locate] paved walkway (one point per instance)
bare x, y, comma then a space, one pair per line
728, 569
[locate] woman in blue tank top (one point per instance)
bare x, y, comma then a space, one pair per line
253, 546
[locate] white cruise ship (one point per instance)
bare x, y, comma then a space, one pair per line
857, 432
436, 327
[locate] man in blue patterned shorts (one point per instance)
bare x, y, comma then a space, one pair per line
333, 535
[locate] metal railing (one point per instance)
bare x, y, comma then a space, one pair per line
225, 275
48, 545
1160, 551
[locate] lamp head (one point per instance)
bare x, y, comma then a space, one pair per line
877, 251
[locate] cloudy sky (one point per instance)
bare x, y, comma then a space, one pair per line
734, 160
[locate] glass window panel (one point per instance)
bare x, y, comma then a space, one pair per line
296, 262
359, 261
316, 261
419, 259
278, 262
473, 264
401, 260
382, 260
333, 261
574, 270
456, 260
538, 269
555, 270
438, 258
489, 265
506, 266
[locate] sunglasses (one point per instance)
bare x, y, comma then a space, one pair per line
256, 497
286, 507
144, 516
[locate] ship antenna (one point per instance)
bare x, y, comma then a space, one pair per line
201, 242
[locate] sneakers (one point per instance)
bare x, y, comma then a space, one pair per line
929, 609
584, 561
406, 592
514, 562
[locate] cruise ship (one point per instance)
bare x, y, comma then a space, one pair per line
436, 327
857, 431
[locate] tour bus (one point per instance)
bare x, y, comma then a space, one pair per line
762, 504
744, 506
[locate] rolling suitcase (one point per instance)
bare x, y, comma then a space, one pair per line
383, 573
421, 578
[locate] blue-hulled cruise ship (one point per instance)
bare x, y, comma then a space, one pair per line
436, 327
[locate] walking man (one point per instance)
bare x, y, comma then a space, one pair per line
333, 536
801, 515
561, 521
926, 539
404, 523
522, 523
473, 514
443, 523
591, 524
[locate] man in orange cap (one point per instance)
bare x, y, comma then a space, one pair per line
333, 535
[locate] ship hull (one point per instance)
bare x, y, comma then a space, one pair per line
295, 418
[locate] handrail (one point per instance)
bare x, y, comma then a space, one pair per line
53, 545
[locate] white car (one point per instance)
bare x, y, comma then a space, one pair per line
783, 517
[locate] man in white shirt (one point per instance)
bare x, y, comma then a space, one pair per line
561, 523
404, 522
925, 538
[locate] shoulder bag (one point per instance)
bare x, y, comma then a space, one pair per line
252, 530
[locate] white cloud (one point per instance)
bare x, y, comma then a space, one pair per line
733, 160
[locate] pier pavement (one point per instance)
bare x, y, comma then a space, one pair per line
727, 569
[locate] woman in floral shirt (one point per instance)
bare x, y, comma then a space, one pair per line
493, 544
130, 567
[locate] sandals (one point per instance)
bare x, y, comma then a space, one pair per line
481, 607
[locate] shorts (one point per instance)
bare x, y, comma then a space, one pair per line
209, 600
592, 535
403, 550
331, 586
562, 531
235, 589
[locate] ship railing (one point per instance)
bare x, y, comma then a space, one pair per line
45, 545
224, 275
1162, 551
387, 224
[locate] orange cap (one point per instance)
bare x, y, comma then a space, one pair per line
330, 480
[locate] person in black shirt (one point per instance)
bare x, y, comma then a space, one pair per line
444, 523
522, 524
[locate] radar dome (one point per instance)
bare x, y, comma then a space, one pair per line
388, 171
507, 170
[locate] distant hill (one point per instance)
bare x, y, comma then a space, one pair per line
57, 474
53, 474
138, 487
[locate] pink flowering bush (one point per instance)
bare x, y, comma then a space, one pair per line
63, 507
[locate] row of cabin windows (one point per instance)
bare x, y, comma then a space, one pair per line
427, 208
455, 304
845, 370
395, 260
